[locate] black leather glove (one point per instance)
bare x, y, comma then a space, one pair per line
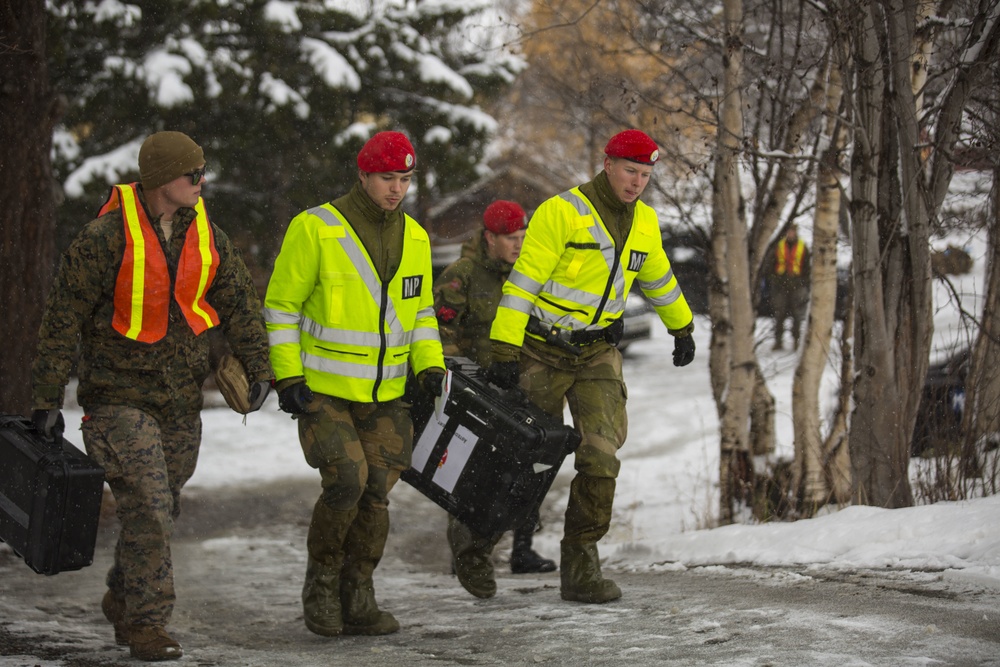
49, 423
295, 398
504, 374
683, 350
258, 392
431, 381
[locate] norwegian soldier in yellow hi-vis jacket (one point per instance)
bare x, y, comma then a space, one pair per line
559, 320
349, 312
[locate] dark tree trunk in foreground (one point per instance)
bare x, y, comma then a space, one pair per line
28, 113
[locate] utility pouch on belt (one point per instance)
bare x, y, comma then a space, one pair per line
552, 336
613, 332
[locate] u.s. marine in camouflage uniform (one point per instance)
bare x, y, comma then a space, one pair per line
142, 361
558, 322
466, 296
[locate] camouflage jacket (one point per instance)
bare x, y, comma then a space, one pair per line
466, 296
115, 370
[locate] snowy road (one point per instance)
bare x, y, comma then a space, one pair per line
240, 560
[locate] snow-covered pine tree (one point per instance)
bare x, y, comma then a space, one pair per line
281, 93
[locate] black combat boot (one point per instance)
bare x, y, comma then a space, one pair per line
524, 559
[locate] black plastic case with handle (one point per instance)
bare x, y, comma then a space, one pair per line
50, 499
491, 456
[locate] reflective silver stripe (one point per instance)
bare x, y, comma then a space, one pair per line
349, 337
275, 316
657, 284
667, 298
426, 333
283, 336
425, 312
600, 235
576, 202
572, 294
614, 306
359, 371
361, 265
517, 303
529, 285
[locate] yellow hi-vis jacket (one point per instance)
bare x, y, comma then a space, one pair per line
331, 319
571, 276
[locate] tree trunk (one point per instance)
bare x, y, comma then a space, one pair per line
810, 477
982, 385
734, 477
28, 113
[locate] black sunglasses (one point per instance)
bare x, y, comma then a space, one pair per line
197, 175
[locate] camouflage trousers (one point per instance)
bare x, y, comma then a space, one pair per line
593, 388
147, 459
360, 449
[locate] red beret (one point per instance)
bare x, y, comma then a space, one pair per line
633, 145
504, 217
387, 151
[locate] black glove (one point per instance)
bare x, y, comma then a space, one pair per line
258, 392
49, 423
295, 398
504, 374
432, 381
683, 350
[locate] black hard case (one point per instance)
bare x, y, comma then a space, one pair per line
50, 499
493, 456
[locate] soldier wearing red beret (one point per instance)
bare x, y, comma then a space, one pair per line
349, 312
560, 319
466, 296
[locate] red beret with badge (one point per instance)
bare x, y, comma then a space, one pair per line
387, 151
504, 217
633, 145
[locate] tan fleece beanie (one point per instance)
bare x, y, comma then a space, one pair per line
165, 156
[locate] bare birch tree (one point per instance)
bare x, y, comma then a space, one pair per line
894, 197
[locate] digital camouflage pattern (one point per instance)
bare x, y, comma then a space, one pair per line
146, 458
115, 370
466, 296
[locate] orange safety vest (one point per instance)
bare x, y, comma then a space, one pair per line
794, 266
142, 290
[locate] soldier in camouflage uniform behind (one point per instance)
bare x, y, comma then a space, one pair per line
144, 354
559, 320
466, 295
349, 311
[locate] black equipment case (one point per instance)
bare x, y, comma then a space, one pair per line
50, 499
491, 456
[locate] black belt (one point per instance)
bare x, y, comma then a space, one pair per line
572, 341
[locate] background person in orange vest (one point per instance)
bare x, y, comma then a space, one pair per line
789, 285
137, 290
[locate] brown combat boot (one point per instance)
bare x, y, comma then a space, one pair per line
113, 607
151, 643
